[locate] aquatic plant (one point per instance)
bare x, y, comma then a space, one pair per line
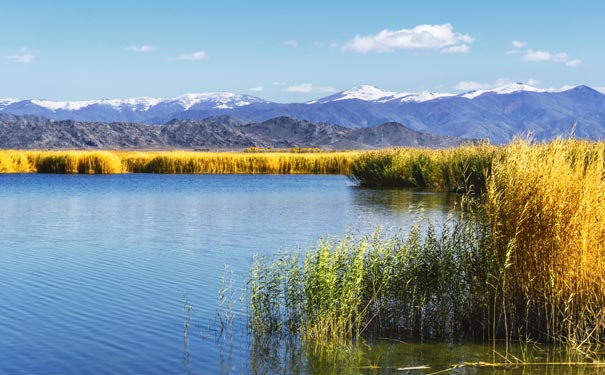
459, 169
526, 263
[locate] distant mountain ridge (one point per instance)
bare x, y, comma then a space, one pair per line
497, 114
34, 132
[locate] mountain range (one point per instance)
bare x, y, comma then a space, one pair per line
498, 114
220, 132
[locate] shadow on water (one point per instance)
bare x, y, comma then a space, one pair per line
398, 200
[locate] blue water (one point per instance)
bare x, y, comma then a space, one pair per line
95, 270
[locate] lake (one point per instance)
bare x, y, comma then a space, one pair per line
100, 274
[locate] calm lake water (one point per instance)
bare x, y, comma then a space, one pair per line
97, 271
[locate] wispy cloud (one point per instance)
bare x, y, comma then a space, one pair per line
303, 87
290, 43
532, 55
438, 37
517, 44
24, 56
308, 88
600, 88
142, 48
470, 86
194, 56
256, 88
462, 48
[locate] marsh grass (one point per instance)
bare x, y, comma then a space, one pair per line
460, 169
546, 207
175, 162
429, 284
526, 264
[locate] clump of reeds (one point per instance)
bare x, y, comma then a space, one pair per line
460, 169
15, 162
73, 162
424, 285
546, 207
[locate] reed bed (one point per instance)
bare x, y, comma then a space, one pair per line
458, 169
107, 162
546, 208
526, 262
430, 285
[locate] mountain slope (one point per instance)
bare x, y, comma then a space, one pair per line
497, 114
32, 132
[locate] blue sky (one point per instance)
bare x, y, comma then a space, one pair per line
293, 51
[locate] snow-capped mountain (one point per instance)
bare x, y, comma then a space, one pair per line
132, 109
371, 93
505, 89
497, 114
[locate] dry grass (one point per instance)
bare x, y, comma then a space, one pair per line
546, 206
103, 162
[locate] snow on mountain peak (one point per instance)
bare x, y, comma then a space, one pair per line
506, 89
373, 94
221, 100
365, 92
7, 101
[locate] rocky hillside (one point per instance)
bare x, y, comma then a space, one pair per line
223, 132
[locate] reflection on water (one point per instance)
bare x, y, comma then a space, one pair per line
402, 199
389, 357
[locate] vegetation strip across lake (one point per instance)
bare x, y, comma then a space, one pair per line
106, 162
524, 260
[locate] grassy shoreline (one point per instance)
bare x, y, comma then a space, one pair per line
175, 162
525, 260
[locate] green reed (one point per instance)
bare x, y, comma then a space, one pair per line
428, 284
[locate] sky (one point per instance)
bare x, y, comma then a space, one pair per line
294, 51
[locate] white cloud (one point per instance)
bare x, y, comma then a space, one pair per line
256, 88
334, 45
517, 44
308, 88
290, 43
303, 87
560, 57
601, 89
277, 83
24, 56
194, 56
142, 48
533, 82
541, 56
419, 37
462, 48
531, 55
471, 85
